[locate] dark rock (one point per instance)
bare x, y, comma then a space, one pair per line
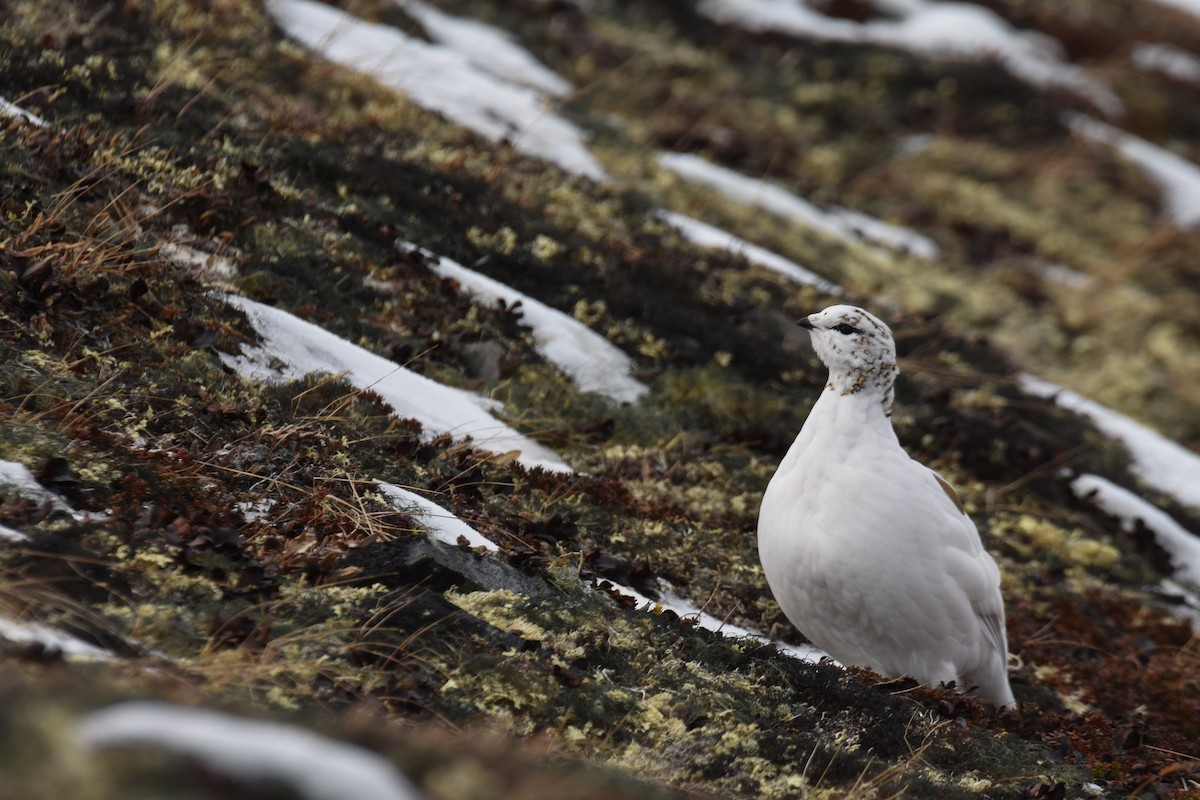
410, 560
483, 360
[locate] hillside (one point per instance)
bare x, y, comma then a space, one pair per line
410, 376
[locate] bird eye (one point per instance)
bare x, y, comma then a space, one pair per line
843, 328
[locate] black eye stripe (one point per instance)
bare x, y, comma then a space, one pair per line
843, 328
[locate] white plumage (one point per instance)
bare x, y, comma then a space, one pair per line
869, 552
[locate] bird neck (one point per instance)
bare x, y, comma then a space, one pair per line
872, 386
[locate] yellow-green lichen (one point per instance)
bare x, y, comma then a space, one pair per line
1072, 546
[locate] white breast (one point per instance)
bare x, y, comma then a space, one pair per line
871, 559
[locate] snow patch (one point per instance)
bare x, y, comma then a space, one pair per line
592, 362
840, 223
1160, 462
1186, 6
18, 477
207, 266
12, 534
33, 632
686, 609
757, 192
1168, 60
1119, 502
914, 144
1190, 601
959, 31
441, 79
292, 348
442, 525
256, 510
488, 48
1177, 178
13, 110
893, 237
1061, 274
316, 767
785, 16
706, 235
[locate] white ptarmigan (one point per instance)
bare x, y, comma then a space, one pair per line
870, 553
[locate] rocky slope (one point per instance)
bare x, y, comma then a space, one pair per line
188, 531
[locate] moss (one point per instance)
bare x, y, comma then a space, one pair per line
1071, 546
320, 607
503, 241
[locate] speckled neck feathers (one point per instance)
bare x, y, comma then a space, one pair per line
859, 351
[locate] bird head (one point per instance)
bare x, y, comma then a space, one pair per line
857, 347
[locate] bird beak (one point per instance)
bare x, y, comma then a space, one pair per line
804, 323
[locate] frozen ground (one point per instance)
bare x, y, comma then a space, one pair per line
292, 348
315, 767
1162, 464
669, 601
962, 31
1180, 544
442, 79
24, 633
441, 524
845, 225
1169, 60
1177, 178
707, 235
586, 357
